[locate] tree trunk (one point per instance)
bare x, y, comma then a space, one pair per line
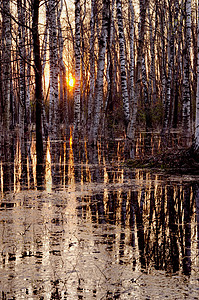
152, 74
108, 105
197, 94
92, 62
77, 95
133, 99
122, 42
53, 57
100, 71
6, 94
62, 70
6, 58
170, 77
177, 68
23, 125
38, 92
186, 103
22, 55
163, 60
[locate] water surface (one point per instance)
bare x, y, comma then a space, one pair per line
97, 229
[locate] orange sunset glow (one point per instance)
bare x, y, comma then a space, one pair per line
71, 81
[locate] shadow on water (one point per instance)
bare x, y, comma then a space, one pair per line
95, 230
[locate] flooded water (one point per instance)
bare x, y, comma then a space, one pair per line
96, 229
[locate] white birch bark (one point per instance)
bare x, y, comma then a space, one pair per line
186, 103
171, 45
53, 98
22, 71
28, 67
6, 58
100, 71
62, 69
133, 99
132, 67
83, 69
122, 43
163, 64
24, 134
178, 69
92, 61
148, 121
28, 107
141, 55
197, 94
77, 95
6, 93
152, 73
130, 142
145, 83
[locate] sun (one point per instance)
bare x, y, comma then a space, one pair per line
71, 80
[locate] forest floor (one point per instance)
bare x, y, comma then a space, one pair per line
176, 161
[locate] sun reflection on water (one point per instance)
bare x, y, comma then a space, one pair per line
91, 231
34, 159
17, 168
48, 175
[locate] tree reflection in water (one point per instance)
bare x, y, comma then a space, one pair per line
97, 229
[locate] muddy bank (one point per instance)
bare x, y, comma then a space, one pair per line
181, 161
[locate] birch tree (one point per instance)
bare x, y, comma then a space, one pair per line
22, 88
178, 67
141, 68
122, 43
140, 75
133, 105
62, 68
152, 73
186, 101
100, 71
133, 100
145, 87
38, 91
54, 63
197, 93
171, 44
6, 92
92, 60
6, 59
77, 95
163, 50
108, 103
22, 71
